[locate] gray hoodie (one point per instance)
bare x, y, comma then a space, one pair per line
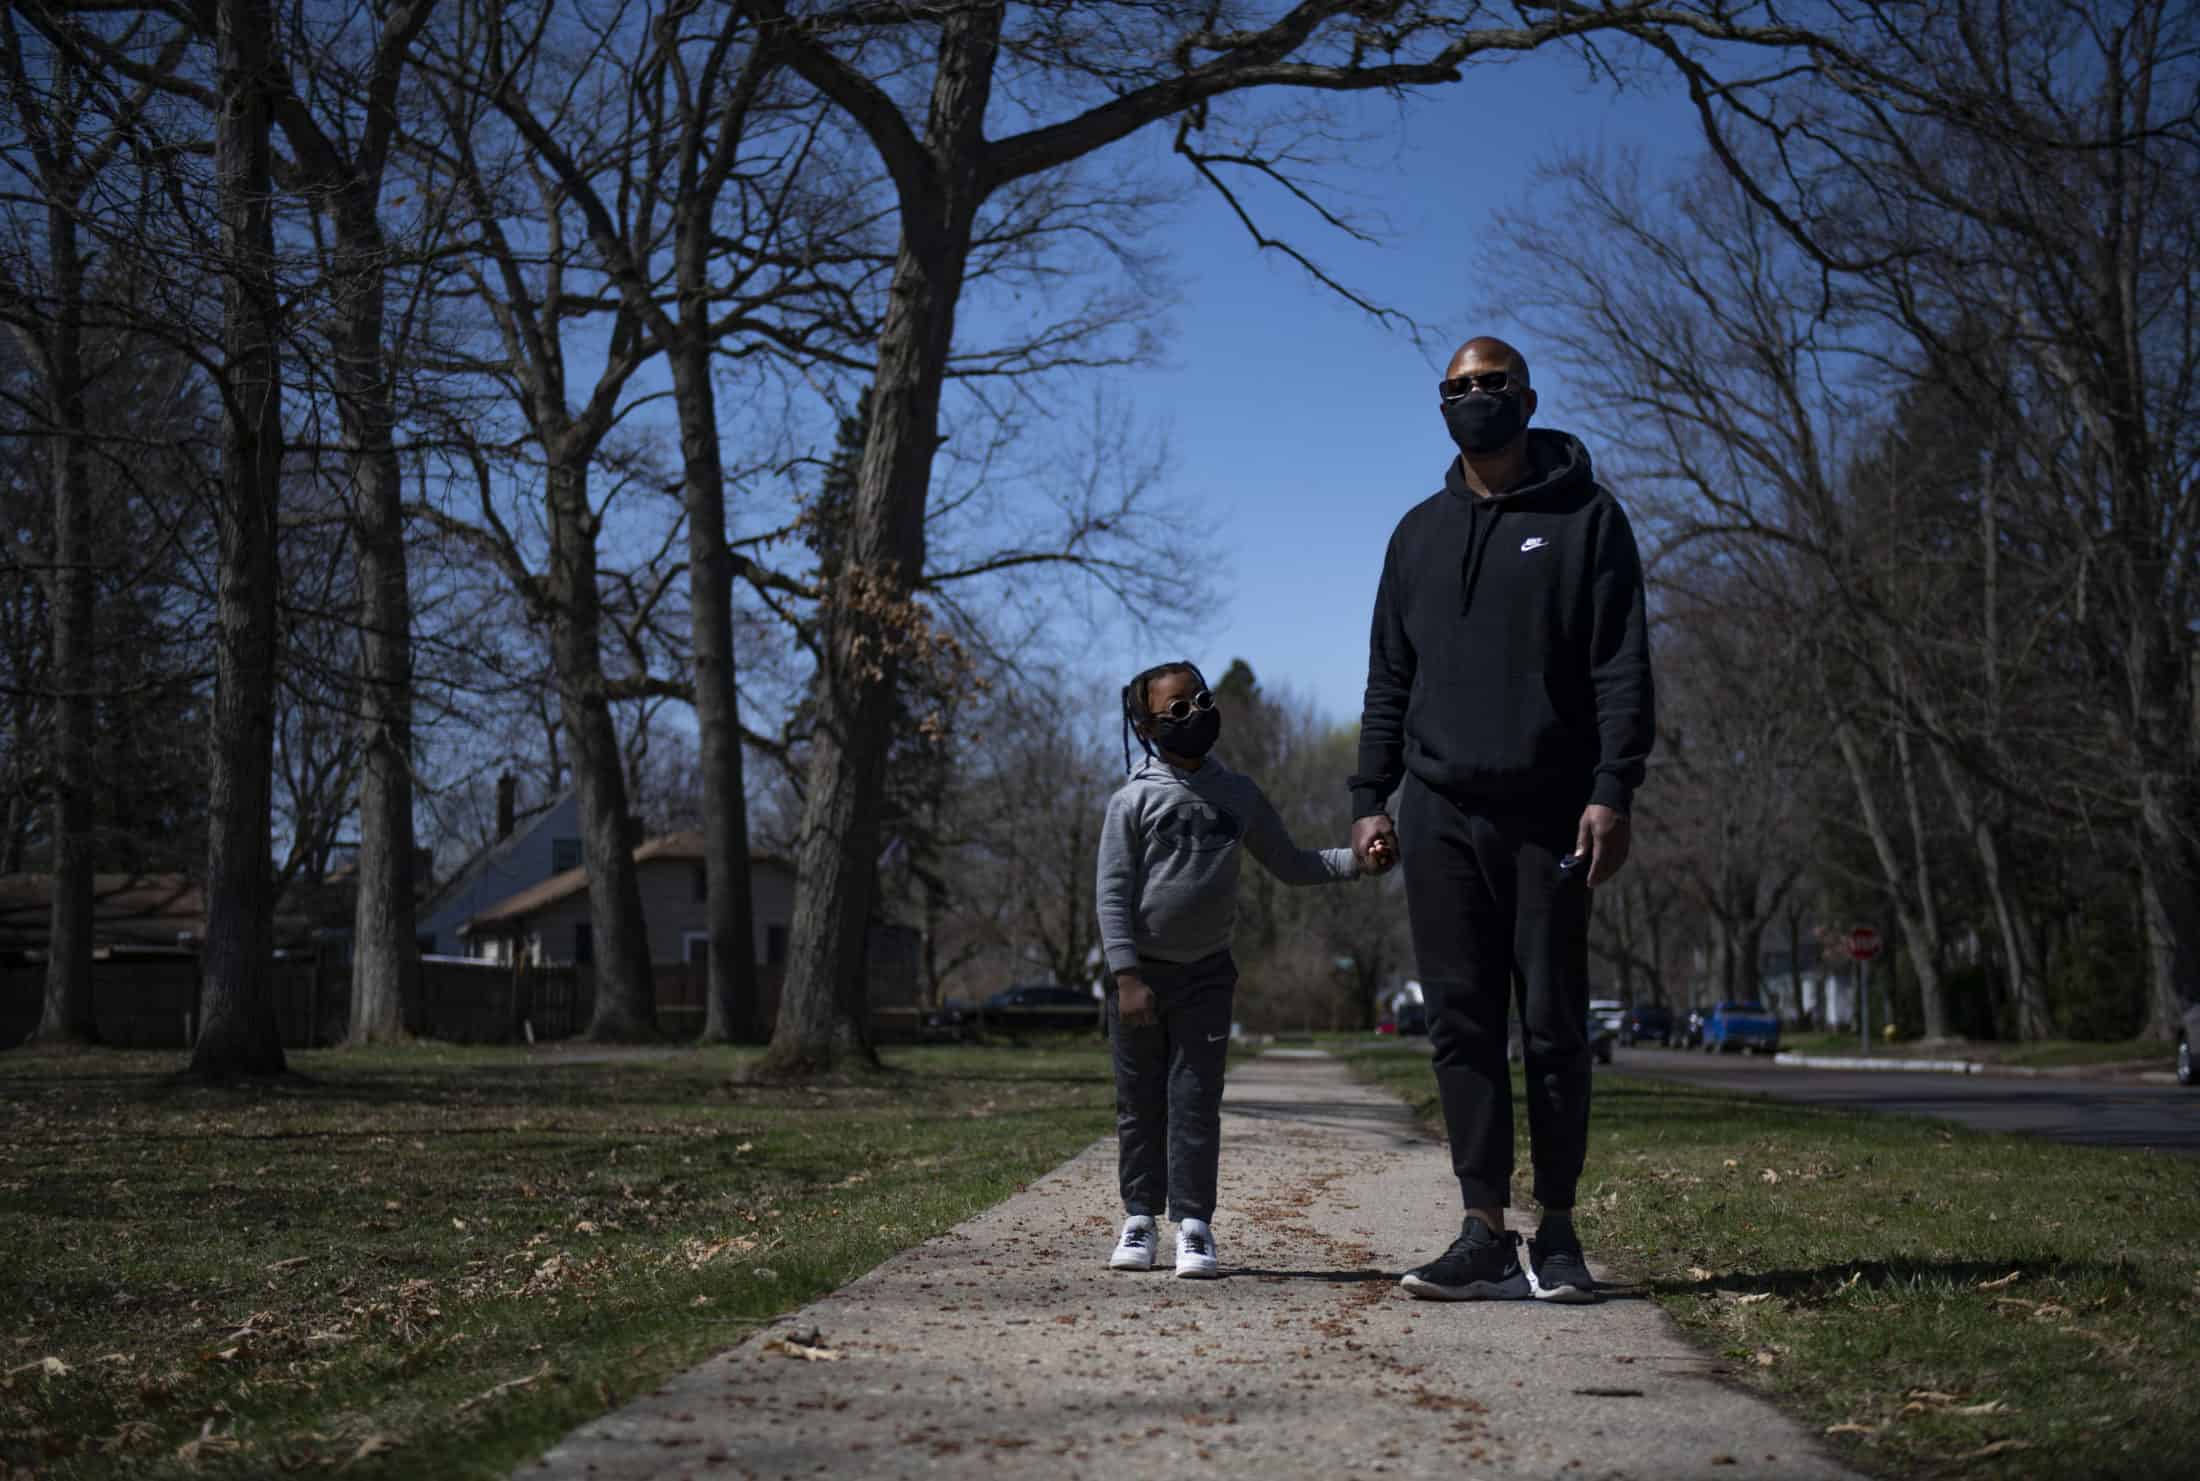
1169, 860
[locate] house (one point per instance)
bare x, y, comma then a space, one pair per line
1812, 986
525, 854
550, 922
133, 915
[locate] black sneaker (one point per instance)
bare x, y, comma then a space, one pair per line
1479, 1266
1556, 1266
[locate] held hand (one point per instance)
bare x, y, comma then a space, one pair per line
1133, 1001
1375, 843
1603, 838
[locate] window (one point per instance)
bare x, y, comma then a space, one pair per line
584, 943
565, 853
775, 945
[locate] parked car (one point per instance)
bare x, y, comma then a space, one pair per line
1602, 1031
1610, 1012
2186, 1033
1733, 1026
954, 1018
1042, 995
1646, 1023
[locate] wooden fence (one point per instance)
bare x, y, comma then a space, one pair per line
154, 1004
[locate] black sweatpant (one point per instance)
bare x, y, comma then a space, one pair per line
1493, 919
1168, 1087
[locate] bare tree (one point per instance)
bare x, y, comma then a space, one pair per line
539, 295
71, 142
341, 133
2031, 169
237, 1032
754, 271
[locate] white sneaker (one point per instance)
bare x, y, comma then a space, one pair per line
1195, 1251
1134, 1250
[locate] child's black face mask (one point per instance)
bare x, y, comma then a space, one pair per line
1192, 737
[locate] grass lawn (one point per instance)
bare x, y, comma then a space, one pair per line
1938, 1301
434, 1261
2044, 1054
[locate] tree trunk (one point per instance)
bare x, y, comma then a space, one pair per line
626, 993
385, 963
67, 1015
238, 1033
2027, 988
1933, 998
730, 1003
2170, 893
868, 611
1924, 939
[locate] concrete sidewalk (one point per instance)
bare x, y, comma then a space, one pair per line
1005, 1348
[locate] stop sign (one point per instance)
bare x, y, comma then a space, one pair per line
1863, 943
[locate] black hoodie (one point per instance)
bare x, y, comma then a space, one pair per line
1508, 665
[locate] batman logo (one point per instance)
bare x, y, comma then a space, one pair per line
1196, 828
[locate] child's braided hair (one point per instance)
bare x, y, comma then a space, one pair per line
1134, 701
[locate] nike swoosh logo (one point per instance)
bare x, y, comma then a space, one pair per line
1535, 543
1216, 1038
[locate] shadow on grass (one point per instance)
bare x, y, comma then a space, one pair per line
1950, 1277
532, 1086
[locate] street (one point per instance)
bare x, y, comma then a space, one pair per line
2094, 1112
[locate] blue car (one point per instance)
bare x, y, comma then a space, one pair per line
1732, 1026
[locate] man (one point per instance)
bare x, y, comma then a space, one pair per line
1508, 689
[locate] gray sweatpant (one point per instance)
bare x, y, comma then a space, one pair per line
1168, 1087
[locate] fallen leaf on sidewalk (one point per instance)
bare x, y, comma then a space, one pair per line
1753, 1298
2004, 1283
803, 1351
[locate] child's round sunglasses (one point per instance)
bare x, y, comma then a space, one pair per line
1181, 709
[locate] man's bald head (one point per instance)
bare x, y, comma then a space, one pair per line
1485, 353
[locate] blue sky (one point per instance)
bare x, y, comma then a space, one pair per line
1301, 428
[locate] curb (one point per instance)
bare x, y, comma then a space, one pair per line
1859, 1062
1970, 1067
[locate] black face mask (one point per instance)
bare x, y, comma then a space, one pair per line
1192, 737
1481, 422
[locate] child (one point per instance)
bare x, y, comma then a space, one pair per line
1167, 896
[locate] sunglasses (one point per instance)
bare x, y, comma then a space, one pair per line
1181, 709
1491, 382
